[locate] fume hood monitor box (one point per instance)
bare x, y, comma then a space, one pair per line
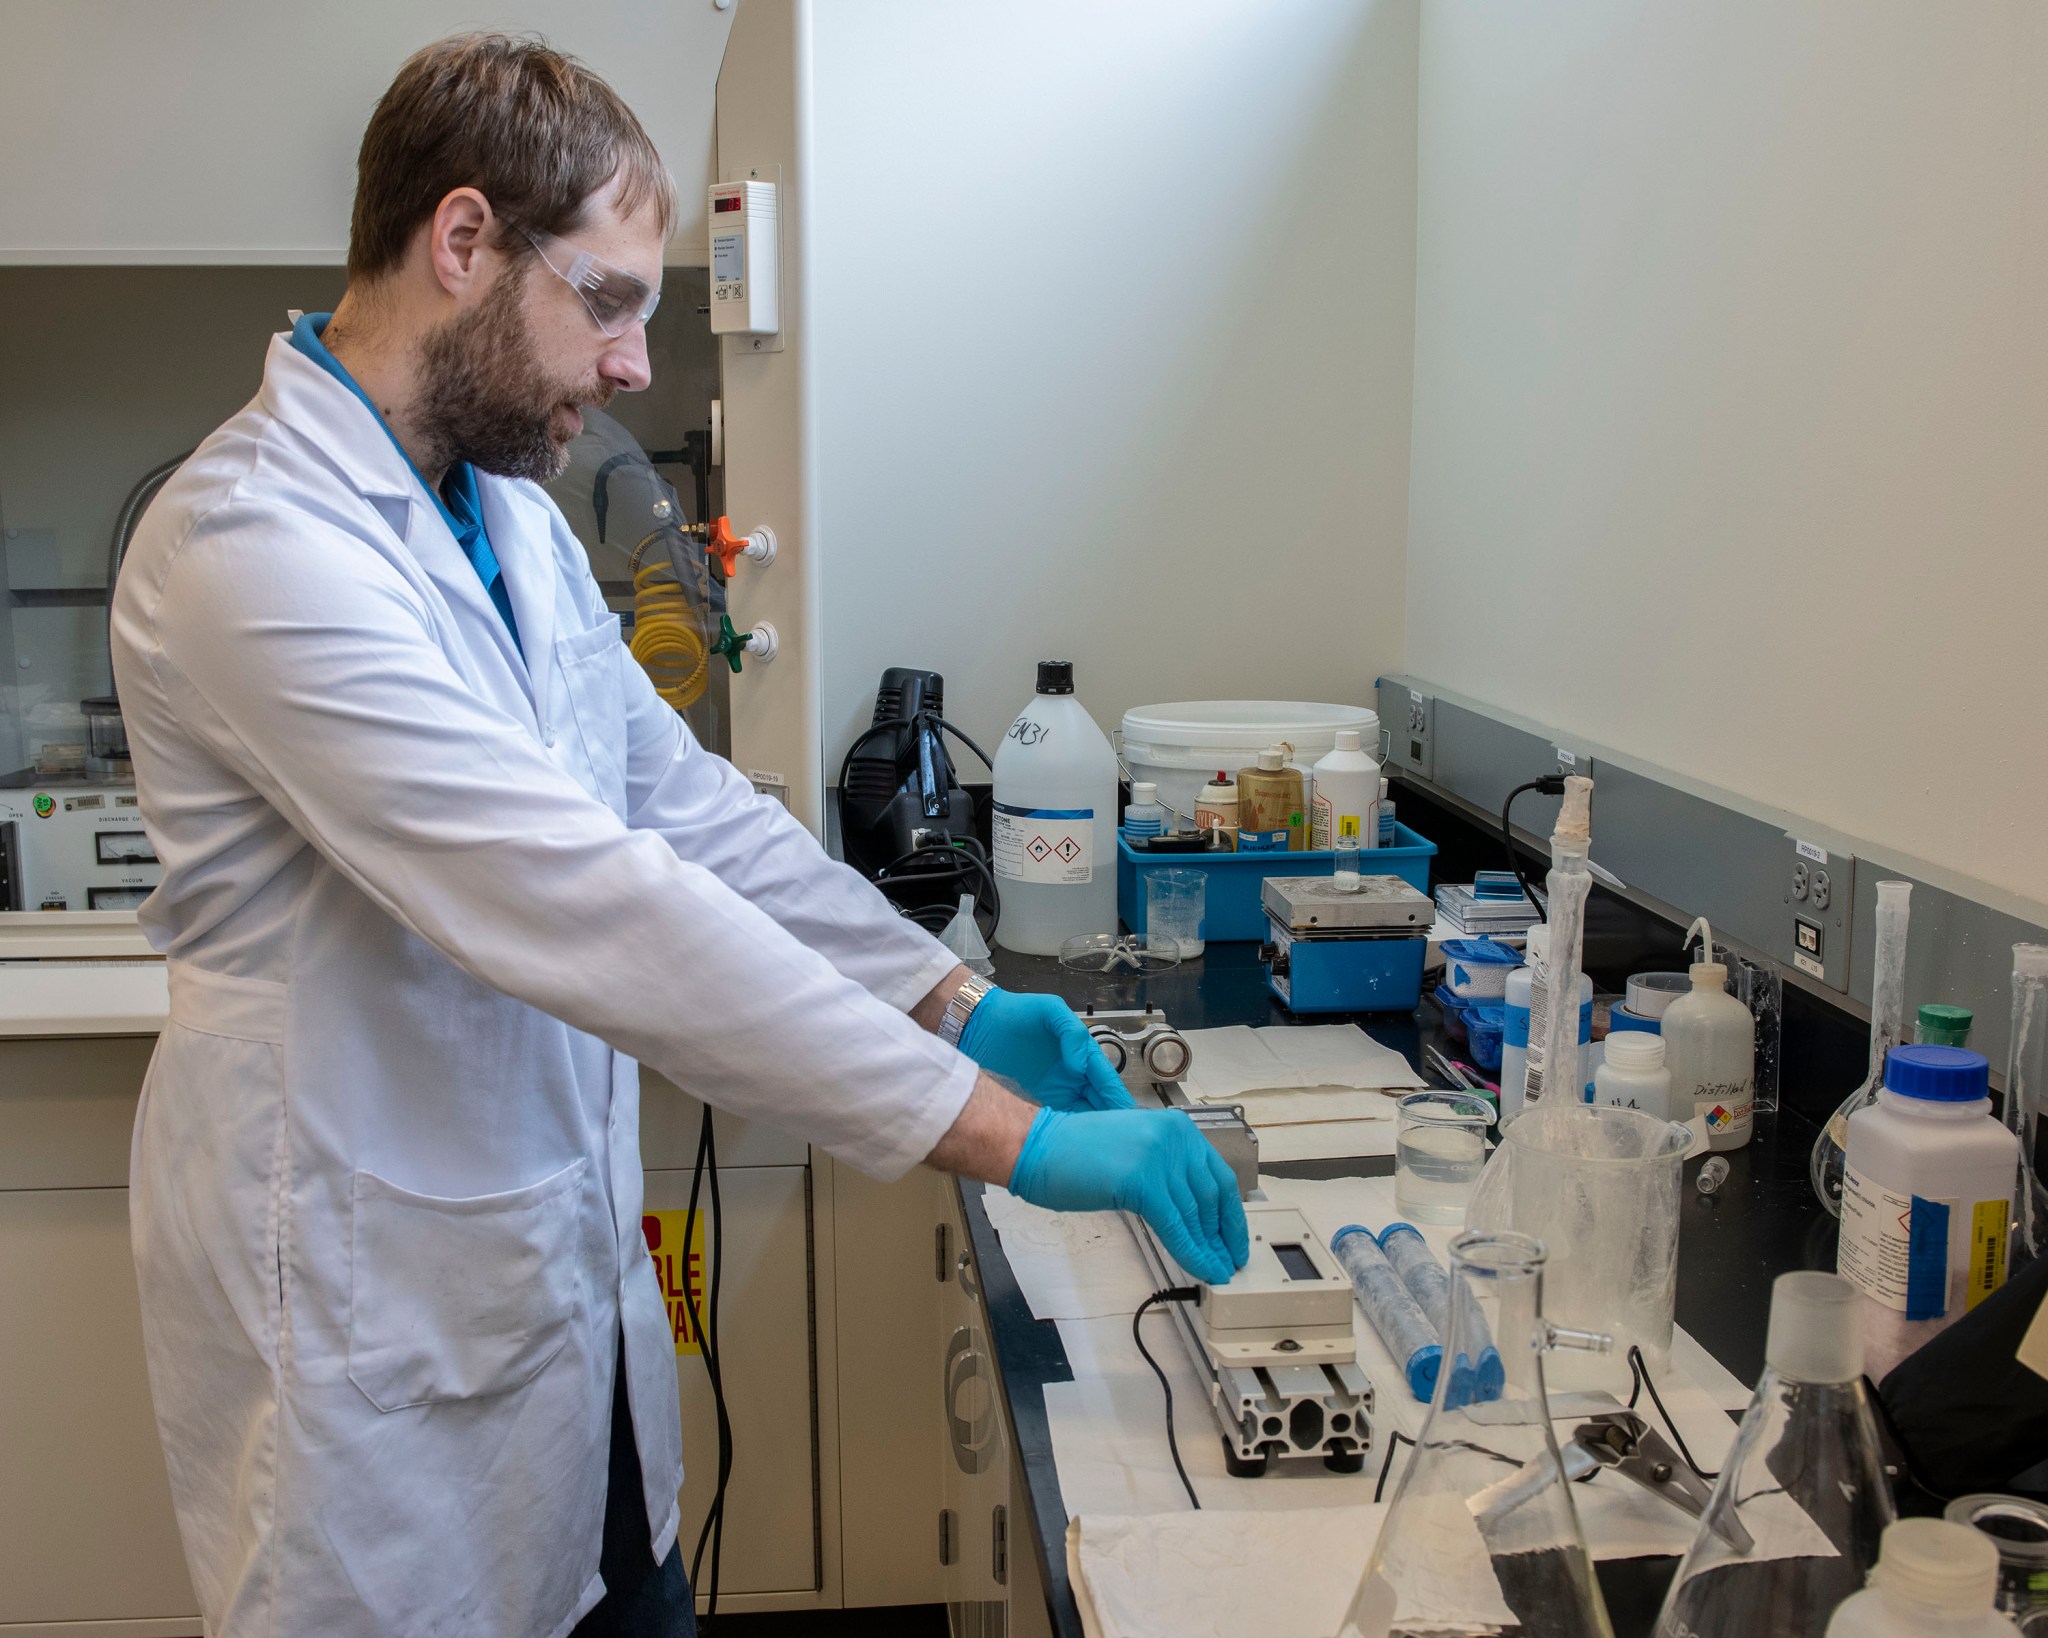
745, 275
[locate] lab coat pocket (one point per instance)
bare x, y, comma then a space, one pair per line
589, 663
455, 1299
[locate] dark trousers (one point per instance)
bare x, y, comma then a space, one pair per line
642, 1599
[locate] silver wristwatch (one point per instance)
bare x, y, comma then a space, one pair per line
965, 999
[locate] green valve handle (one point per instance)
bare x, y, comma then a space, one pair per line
762, 642
729, 642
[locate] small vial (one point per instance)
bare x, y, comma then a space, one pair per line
1346, 879
1713, 1173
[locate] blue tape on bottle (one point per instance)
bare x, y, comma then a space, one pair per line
1927, 1260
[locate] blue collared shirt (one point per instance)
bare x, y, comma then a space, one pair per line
457, 500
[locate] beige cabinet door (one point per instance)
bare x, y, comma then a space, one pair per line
86, 1529
771, 1537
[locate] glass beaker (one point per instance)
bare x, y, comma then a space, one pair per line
1439, 1152
1173, 908
1805, 1470
1599, 1186
2018, 1528
1482, 1533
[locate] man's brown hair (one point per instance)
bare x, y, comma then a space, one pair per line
532, 130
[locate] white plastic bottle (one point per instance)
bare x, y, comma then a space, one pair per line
1933, 1579
1926, 1199
1710, 1047
1632, 1075
1054, 826
1383, 826
1145, 816
1520, 998
1346, 795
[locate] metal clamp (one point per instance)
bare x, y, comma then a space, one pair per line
1625, 1442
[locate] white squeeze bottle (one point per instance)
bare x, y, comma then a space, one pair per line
1710, 1048
1927, 1188
1347, 793
1054, 825
1933, 1579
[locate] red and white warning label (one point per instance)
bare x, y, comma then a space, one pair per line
1055, 845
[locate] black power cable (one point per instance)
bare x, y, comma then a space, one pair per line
1394, 1442
1548, 785
958, 860
1173, 1293
713, 1532
1639, 1371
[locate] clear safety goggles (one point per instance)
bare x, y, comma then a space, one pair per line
617, 300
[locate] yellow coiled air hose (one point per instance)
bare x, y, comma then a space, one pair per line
667, 640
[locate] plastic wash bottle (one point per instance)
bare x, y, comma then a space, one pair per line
1926, 1199
1710, 1046
1054, 825
1347, 793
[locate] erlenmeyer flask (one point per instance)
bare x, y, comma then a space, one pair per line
1805, 1473
1482, 1533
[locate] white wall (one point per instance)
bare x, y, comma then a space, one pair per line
225, 130
1111, 314
1732, 354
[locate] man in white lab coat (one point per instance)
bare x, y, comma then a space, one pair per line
439, 867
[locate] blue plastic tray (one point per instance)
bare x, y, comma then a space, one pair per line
1232, 909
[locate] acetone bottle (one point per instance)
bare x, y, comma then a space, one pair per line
1054, 825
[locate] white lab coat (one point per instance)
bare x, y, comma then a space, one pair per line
425, 904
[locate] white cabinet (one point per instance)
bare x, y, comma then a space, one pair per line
225, 131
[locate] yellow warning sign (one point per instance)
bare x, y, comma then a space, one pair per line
676, 1243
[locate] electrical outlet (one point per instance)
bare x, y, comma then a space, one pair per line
1412, 735
1815, 928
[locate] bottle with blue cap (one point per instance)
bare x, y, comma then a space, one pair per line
1927, 1199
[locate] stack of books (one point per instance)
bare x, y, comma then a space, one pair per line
1491, 905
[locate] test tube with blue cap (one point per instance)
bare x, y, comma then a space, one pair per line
1409, 1255
1395, 1316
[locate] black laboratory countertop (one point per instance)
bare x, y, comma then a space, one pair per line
1762, 1222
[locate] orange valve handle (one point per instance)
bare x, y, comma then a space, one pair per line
726, 546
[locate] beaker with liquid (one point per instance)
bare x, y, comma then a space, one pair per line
1599, 1186
1439, 1152
1482, 1534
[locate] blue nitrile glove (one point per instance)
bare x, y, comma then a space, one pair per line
1040, 1043
1150, 1161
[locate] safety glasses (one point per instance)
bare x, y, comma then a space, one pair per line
617, 300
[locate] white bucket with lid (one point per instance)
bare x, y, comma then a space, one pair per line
1179, 746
